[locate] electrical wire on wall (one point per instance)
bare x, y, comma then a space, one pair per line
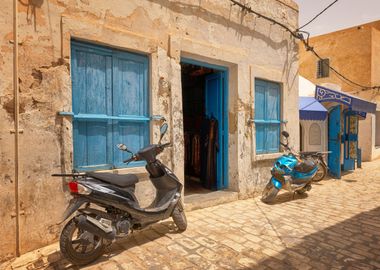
316, 16
303, 36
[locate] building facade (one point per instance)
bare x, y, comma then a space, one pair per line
354, 53
91, 74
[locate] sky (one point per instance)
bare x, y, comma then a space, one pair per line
343, 14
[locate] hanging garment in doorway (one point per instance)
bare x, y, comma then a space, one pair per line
209, 152
196, 159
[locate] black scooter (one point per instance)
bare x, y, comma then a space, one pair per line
91, 230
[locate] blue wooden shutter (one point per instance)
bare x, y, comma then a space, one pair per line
267, 116
92, 82
130, 101
110, 105
273, 116
260, 116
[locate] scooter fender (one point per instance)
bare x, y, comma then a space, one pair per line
74, 205
277, 183
176, 201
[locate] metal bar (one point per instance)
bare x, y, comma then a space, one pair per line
268, 121
157, 118
66, 113
108, 117
67, 174
16, 123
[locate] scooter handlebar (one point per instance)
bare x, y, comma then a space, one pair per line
157, 149
133, 158
165, 145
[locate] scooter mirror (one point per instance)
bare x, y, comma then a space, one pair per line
285, 134
163, 130
122, 147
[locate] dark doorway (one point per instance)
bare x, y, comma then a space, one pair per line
203, 92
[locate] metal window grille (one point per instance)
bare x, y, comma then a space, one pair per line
323, 68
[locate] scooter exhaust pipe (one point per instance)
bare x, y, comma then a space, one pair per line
93, 226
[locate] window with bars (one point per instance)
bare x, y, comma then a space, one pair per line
323, 68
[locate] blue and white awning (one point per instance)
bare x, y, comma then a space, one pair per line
311, 109
323, 94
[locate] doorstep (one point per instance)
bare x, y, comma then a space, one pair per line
204, 200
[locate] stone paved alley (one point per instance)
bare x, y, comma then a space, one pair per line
335, 226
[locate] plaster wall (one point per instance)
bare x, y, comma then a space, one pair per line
377, 132
366, 137
354, 53
306, 135
212, 31
348, 50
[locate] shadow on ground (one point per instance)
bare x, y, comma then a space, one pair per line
351, 244
287, 196
137, 238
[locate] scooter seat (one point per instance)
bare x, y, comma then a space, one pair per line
305, 166
121, 180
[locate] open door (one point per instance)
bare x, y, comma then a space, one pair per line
334, 142
216, 107
350, 141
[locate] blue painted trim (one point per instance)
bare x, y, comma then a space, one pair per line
90, 47
323, 94
277, 184
225, 78
269, 121
348, 162
226, 127
334, 144
104, 117
203, 64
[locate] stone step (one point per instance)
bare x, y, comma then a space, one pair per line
204, 200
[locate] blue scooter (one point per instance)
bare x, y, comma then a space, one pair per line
290, 172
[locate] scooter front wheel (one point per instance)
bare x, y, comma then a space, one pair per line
78, 246
269, 193
179, 218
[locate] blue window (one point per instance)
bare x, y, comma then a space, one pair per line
110, 105
267, 116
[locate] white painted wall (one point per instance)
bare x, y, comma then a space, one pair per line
309, 141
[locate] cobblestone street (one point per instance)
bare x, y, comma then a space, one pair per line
335, 226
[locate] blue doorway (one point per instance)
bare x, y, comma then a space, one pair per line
350, 140
205, 114
334, 143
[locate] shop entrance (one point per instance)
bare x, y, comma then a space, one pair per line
204, 97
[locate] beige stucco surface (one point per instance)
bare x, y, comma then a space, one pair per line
354, 53
212, 31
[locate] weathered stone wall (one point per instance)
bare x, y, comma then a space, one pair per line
211, 31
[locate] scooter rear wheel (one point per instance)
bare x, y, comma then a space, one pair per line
179, 219
321, 173
76, 247
269, 193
